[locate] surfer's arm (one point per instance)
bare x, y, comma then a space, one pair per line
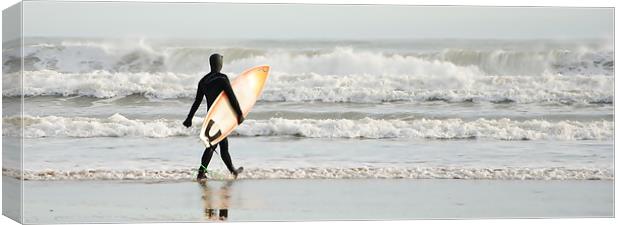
192, 111
233, 100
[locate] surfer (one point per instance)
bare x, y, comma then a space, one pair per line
211, 85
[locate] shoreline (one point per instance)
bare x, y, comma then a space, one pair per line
417, 173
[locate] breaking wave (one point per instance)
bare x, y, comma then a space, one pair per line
514, 62
325, 173
430, 81
499, 129
344, 58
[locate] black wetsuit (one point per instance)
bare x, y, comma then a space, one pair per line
211, 85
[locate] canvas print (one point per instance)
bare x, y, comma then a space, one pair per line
128, 112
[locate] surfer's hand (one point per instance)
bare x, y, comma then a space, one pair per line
187, 122
240, 120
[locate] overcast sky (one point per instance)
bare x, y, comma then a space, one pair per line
288, 21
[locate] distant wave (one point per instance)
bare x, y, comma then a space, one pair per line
326, 173
430, 81
519, 62
499, 129
136, 57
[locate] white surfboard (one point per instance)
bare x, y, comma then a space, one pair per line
221, 119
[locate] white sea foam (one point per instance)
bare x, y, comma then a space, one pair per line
519, 62
102, 84
347, 60
326, 173
500, 129
455, 85
114, 126
344, 58
429, 81
334, 74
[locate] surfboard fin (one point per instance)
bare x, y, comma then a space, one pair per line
213, 149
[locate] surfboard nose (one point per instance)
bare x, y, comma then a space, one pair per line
264, 68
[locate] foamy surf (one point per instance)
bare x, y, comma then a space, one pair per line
431, 81
500, 129
491, 57
324, 173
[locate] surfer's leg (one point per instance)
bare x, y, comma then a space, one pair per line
225, 155
204, 162
227, 160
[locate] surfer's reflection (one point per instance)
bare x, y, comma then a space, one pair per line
216, 203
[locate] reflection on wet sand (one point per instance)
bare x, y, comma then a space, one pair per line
216, 202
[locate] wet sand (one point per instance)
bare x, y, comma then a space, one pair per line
320, 199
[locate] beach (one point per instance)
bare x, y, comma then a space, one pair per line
313, 199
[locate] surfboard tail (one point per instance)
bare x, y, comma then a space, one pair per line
204, 140
204, 136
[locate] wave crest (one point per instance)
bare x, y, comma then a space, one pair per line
499, 129
454, 84
344, 58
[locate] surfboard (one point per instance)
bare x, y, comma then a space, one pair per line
221, 119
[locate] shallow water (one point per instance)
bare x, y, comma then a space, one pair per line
287, 157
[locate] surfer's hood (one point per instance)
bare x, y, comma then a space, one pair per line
216, 61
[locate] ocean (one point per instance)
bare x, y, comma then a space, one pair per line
111, 109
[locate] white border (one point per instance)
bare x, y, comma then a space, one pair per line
573, 3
